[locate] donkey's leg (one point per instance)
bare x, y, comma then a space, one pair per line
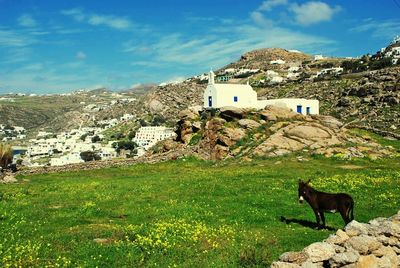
318, 217
321, 213
344, 212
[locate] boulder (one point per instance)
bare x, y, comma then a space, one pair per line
280, 264
340, 259
355, 228
329, 121
309, 264
249, 123
155, 106
219, 152
320, 251
188, 115
230, 136
294, 257
229, 113
369, 261
363, 244
339, 239
273, 113
8, 178
308, 132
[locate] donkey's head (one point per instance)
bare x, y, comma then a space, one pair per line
304, 190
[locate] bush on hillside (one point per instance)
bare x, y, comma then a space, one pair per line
6, 155
88, 156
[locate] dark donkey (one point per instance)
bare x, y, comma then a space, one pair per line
322, 202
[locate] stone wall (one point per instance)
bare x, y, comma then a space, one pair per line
359, 245
148, 158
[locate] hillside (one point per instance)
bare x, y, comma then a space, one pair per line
59, 112
370, 98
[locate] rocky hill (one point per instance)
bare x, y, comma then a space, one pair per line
260, 58
368, 98
235, 132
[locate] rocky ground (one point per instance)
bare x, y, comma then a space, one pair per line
235, 132
260, 58
370, 99
359, 245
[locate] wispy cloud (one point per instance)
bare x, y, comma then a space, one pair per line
385, 29
16, 55
270, 4
80, 55
111, 21
313, 12
13, 38
26, 20
215, 50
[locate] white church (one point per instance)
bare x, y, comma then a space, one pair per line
243, 96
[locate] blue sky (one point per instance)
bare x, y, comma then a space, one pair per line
49, 46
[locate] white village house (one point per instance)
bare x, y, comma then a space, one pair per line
243, 96
146, 137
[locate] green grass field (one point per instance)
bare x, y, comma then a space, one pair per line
187, 212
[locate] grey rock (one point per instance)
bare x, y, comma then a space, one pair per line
294, 257
320, 251
344, 258
249, 123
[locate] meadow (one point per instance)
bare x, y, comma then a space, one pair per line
183, 213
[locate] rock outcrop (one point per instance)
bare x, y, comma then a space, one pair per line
376, 244
270, 132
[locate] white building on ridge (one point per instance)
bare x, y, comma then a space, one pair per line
243, 96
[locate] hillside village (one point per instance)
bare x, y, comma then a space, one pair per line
257, 80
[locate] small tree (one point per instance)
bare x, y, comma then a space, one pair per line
96, 139
158, 120
125, 145
131, 135
88, 156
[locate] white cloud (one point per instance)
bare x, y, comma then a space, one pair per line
110, 21
80, 55
75, 13
313, 12
27, 20
12, 38
270, 4
386, 29
115, 22
259, 18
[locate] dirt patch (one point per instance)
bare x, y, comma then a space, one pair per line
351, 167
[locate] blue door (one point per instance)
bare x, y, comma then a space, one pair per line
299, 109
209, 101
308, 110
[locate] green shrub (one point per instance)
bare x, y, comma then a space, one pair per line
6, 155
195, 139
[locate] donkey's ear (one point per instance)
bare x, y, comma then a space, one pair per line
308, 181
